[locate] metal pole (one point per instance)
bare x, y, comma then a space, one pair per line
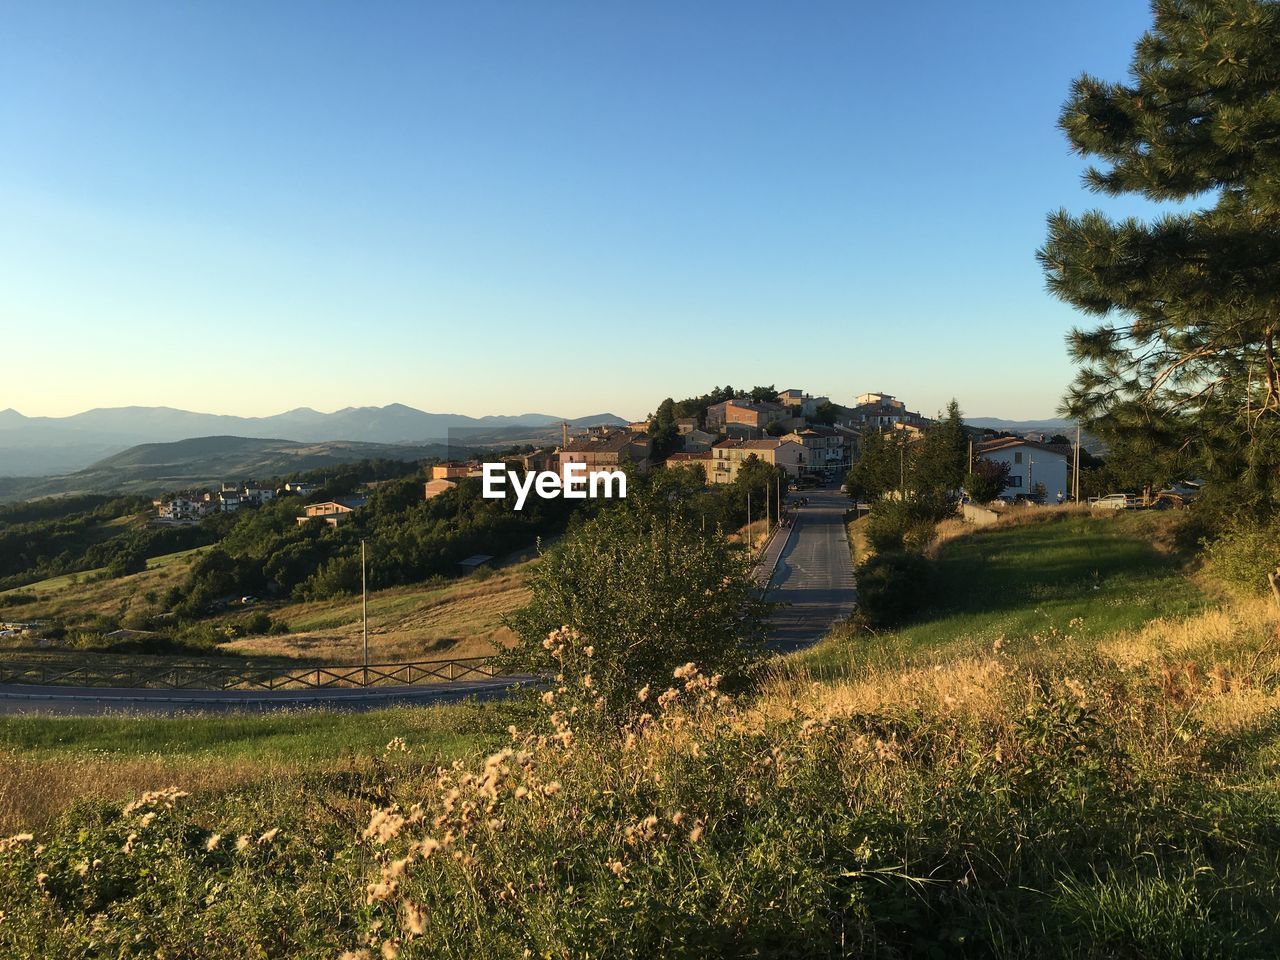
750, 545
364, 603
1075, 469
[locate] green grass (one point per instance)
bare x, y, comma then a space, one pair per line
299, 736
1078, 576
53, 584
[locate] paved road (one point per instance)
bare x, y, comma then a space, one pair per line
814, 574
92, 701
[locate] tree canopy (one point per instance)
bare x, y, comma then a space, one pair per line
1183, 358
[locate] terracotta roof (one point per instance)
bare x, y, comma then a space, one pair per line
733, 443
702, 455
614, 442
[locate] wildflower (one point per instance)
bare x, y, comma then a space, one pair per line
685, 672
415, 920
82, 868
587, 681
552, 788
380, 889
41, 879
8, 843
383, 825
152, 798
395, 868
129, 842
268, 835
389, 950
521, 792
396, 743
213, 841
354, 955
616, 867
242, 841
589, 651
146, 820
643, 695
696, 833
549, 698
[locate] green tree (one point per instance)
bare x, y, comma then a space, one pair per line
825, 413
939, 465
648, 590
1184, 359
663, 432
880, 467
986, 480
767, 394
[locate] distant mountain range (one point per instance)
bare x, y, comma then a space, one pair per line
44, 446
1050, 426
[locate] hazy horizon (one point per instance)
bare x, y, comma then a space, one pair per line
532, 411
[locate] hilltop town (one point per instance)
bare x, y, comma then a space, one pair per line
810, 438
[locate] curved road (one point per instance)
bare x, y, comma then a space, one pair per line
807, 567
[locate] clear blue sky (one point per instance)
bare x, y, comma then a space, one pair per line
564, 207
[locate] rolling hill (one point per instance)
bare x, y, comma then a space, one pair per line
205, 461
42, 446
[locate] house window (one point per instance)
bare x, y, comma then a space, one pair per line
1017, 456
1015, 481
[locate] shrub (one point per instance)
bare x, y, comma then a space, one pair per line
903, 524
891, 586
646, 591
1242, 557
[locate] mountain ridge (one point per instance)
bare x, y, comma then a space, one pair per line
46, 446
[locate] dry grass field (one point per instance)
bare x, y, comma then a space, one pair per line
77, 595
425, 622
462, 619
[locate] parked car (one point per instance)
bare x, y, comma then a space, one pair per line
1113, 501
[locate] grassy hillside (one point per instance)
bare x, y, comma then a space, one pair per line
152, 468
1033, 768
461, 618
1071, 573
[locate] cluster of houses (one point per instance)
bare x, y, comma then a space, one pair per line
783, 432
190, 506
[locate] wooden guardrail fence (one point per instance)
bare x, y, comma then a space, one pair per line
210, 677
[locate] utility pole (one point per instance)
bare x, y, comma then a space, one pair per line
1075, 467
971, 453
750, 545
364, 603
